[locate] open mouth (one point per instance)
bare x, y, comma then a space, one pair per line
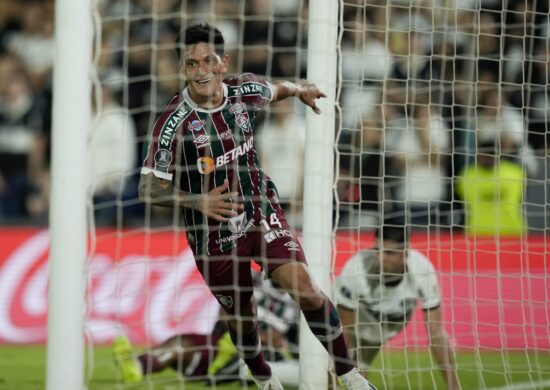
203, 81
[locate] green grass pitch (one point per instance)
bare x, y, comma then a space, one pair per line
23, 368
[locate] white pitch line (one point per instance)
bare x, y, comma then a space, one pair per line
524, 386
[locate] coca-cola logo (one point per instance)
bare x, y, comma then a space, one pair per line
24, 307
147, 286
147, 297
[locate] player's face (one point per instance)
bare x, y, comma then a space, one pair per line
392, 256
204, 70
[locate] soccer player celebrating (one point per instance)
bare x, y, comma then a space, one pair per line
201, 158
377, 293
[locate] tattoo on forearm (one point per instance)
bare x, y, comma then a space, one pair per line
152, 190
161, 193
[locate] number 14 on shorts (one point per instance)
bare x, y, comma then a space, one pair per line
274, 228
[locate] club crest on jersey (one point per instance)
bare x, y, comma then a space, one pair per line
238, 223
225, 300
241, 115
196, 125
163, 158
201, 141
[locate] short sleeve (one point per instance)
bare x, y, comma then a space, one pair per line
253, 90
160, 148
426, 282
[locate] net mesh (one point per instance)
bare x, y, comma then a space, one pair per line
427, 89
437, 109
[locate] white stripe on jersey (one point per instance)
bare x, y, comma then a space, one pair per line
189, 185
226, 173
159, 174
238, 171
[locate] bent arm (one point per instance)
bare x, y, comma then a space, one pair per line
160, 192
441, 348
217, 204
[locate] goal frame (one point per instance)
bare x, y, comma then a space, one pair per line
319, 176
71, 124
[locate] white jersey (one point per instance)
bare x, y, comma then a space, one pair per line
275, 308
384, 309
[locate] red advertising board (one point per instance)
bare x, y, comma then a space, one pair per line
145, 284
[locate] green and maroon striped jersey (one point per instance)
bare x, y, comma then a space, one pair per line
198, 149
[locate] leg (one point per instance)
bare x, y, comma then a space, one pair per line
286, 264
243, 329
178, 352
320, 313
230, 281
182, 353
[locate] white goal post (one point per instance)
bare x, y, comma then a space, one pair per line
71, 124
318, 176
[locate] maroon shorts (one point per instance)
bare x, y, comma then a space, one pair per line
270, 244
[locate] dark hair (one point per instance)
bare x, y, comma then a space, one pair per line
202, 32
396, 232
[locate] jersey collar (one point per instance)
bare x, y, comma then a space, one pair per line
196, 107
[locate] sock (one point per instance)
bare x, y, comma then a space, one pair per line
325, 325
250, 350
288, 372
149, 363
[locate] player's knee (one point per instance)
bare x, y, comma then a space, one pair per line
310, 299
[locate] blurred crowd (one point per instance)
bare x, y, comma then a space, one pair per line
429, 87
426, 87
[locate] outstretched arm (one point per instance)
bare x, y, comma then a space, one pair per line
441, 349
217, 204
307, 92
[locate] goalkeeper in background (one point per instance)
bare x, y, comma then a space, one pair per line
213, 357
201, 159
377, 294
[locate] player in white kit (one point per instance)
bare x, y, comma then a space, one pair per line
377, 293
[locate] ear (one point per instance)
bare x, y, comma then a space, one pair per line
225, 63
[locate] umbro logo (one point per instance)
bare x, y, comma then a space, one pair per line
292, 246
202, 141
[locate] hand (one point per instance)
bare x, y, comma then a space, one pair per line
308, 93
218, 204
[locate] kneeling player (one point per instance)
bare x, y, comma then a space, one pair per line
380, 288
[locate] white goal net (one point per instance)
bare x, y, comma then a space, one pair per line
442, 123
440, 102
